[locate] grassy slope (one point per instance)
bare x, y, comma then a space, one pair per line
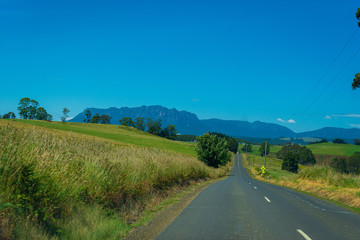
125, 135
334, 149
88, 185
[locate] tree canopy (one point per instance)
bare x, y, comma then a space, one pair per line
262, 148
302, 153
212, 150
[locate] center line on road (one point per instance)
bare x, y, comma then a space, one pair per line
255, 187
303, 234
267, 199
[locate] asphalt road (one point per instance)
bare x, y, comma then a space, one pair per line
240, 207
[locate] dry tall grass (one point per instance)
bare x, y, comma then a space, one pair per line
44, 173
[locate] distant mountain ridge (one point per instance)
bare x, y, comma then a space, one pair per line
189, 123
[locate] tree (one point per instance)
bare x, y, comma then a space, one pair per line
171, 131
105, 119
23, 108
140, 123
9, 115
65, 115
33, 108
154, 127
358, 16
41, 114
262, 148
126, 121
95, 118
356, 82
247, 148
290, 163
232, 143
357, 141
87, 116
212, 150
49, 117
353, 163
339, 141
339, 164
303, 154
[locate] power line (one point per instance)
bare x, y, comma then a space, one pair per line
331, 82
327, 70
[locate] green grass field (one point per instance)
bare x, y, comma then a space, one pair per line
121, 134
273, 149
334, 149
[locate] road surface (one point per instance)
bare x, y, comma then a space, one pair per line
240, 207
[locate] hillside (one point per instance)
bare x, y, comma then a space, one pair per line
189, 123
86, 181
334, 149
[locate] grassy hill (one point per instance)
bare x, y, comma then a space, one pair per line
86, 181
121, 134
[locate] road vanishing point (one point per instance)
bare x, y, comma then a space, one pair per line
240, 207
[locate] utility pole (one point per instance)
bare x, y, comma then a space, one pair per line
265, 154
253, 158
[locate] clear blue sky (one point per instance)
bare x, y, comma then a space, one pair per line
241, 60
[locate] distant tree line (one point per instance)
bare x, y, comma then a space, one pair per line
349, 166
185, 138
103, 119
153, 126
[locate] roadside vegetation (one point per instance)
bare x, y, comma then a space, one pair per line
58, 184
332, 182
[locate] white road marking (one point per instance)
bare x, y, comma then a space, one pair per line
303, 234
255, 187
267, 199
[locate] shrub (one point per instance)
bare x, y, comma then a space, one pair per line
354, 163
290, 162
303, 154
339, 141
212, 150
339, 165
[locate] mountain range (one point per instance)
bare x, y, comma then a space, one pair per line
189, 123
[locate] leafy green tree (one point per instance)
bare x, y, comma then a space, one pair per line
354, 163
154, 127
232, 143
247, 148
23, 108
87, 116
33, 108
339, 164
171, 131
262, 148
290, 162
41, 114
339, 141
357, 141
95, 118
212, 150
126, 121
9, 115
65, 115
49, 117
304, 155
358, 16
356, 81
140, 123
105, 119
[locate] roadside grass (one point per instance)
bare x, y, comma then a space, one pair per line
121, 134
65, 185
319, 181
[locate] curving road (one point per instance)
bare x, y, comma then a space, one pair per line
240, 207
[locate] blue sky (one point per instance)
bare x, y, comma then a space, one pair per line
273, 61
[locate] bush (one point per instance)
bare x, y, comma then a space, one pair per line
303, 154
290, 162
339, 141
339, 165
212, 150
354, 163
